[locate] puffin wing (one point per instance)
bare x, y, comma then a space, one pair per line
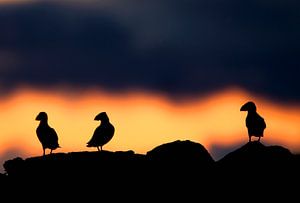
255, 124
95, 137
261, 124
53, 138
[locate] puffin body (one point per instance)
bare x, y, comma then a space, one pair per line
103, 133
46, 135
254, 122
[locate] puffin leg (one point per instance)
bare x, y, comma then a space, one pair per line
258, 139
98, 148
51, 151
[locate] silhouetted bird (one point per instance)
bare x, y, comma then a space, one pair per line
254, 122
46, 134
103, 133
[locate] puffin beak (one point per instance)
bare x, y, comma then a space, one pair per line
244, 108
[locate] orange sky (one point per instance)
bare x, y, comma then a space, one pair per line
142, 120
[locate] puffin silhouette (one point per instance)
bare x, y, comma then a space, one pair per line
254, 122
103, 133
46, 135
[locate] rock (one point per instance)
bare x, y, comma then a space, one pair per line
255, 152
181, 152
182, 167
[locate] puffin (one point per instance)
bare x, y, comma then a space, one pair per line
103, 133
46, 135
254, 122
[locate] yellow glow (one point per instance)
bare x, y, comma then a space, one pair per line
142, 120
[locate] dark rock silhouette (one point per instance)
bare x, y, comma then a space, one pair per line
254, 122
179, 161
103, 133
46, 135
4, 183
181, 151
255, 153
3, 178
267, 171
176, 170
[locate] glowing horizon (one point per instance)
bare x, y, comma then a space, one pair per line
142, 120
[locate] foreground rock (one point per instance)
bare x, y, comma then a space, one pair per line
182, 167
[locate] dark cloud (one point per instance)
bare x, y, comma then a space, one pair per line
180, 48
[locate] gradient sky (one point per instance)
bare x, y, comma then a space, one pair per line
160, 60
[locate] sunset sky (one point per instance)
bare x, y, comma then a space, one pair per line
162, 70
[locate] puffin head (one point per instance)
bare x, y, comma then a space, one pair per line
102, 117
249, 106
42, 116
